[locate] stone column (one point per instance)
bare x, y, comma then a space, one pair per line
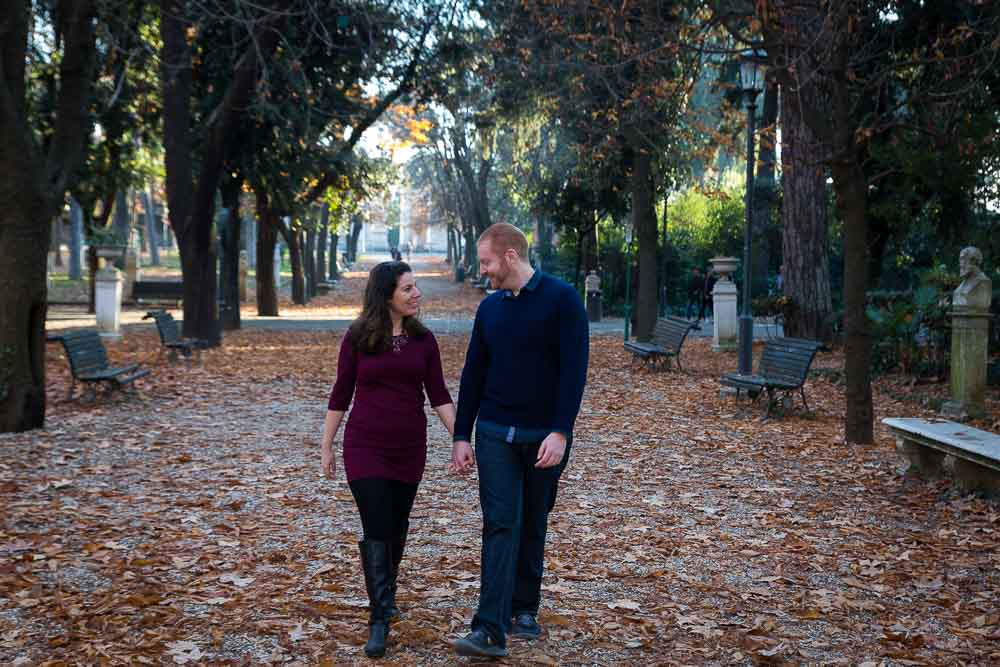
969, 336
244, 266
108, 299
724, 321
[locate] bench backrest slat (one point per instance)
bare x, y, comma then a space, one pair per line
166, 325
787, 359
669, 332
85, 351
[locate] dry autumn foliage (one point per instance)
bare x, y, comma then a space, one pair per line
190, 525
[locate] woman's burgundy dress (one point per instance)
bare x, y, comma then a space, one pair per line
386, 432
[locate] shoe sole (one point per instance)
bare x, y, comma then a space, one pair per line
470, 651
526, 635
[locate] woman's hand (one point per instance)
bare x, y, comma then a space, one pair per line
328, 461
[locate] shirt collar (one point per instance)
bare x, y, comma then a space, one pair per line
532, 283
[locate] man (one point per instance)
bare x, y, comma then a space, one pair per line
523, 379
695, 286
706, 296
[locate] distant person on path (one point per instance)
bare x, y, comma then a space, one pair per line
407, 248
706, 295
694, 292
388, 361
779, 281
522, 384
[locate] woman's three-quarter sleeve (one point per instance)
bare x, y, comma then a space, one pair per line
347, 376
434, 386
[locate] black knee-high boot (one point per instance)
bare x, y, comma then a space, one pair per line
376, 560
398, 546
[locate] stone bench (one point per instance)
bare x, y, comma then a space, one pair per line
942, 448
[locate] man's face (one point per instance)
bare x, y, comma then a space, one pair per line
494, 266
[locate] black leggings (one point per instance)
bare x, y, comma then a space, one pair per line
384, 505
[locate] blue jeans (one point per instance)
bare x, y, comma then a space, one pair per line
516, 498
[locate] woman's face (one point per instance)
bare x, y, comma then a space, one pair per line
405, 300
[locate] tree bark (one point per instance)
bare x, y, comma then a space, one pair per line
644, 222
192, 204
851, 186
764, 189
352, 241
293, 239
267, 239
152, 234
805, 236
33, 185
321, 243
229, 251
334, 267
309, 263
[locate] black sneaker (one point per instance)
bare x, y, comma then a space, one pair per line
526, 627
479, 644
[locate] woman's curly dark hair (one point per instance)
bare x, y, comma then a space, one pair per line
371, 333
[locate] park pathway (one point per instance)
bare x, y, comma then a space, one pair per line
190, 525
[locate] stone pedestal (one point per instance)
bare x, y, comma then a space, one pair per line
725, 329
244, 266
108, 301
592, 284
969, 335
131, 269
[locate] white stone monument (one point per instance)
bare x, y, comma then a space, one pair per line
725, 321
970, 325
108, 301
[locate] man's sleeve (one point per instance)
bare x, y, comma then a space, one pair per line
574, 353
470, 391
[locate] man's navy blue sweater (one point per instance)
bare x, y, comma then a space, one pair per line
527, 359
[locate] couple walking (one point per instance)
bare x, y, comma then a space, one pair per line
521, 386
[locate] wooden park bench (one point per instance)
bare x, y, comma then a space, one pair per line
783, 368
170, 336
88, 363
158, 291
668, 337
941, 448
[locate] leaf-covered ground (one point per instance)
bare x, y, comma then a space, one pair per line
190, 525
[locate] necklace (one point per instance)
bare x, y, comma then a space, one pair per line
398, 342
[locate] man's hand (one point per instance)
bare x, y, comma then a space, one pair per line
462, 458
327, 461
552, 450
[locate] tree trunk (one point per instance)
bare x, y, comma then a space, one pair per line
805, 236
152, 234
293, 239
352, 241
334, 267
121, 224
309, 263
764, 190
267, 240
644, 223
23, 258
229, 237
75, 239
321, 242
33, 185
56, 240
449, 230
850, 186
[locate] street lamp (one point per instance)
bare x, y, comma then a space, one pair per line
751, 82
628, 278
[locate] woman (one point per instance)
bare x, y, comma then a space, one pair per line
388, 360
